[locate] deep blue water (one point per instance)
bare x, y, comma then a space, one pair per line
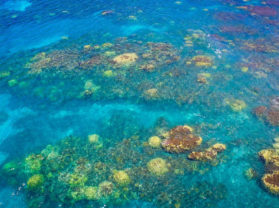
39, 106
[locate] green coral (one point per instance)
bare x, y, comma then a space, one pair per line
10, 168
77, 180
35, 182
77, 195
4, 74
33, 163
91, 192
12, 82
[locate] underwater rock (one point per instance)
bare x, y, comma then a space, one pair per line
154, 142
158, 166
121, 178
180, 139
125, 59
209, 154
271, 182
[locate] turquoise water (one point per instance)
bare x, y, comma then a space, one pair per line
125, 71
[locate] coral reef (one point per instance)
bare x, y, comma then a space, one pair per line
158, 166
270, 179
271, 182
93, 138
236, 104
180, 139
273, 117
260, 111
121, 178
271, 158
58, 59
202, 61
125, 59
97, 71
35, 182
91, 192
33, 163
154, 142
75, 171
151, 93
209, 154
203, 78
250, 173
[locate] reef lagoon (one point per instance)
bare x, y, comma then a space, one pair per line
127, 104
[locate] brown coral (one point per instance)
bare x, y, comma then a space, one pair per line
202, 61
260, 111
180, 139
209, 154
271, 182
273, 117
59, 59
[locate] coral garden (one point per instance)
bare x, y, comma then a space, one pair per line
139, 103
77, 170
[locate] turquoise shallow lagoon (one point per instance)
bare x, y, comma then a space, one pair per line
139, 103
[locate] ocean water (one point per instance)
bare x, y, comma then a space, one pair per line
84, 85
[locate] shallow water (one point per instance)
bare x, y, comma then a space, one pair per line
210, 65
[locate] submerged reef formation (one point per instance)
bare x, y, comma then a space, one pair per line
95, 172
236, 104
154, 141
121, 177
270, 179
125, 59
157, 166
180, 139
208, 154
124, 68
271, 182
202, 61
269, 114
